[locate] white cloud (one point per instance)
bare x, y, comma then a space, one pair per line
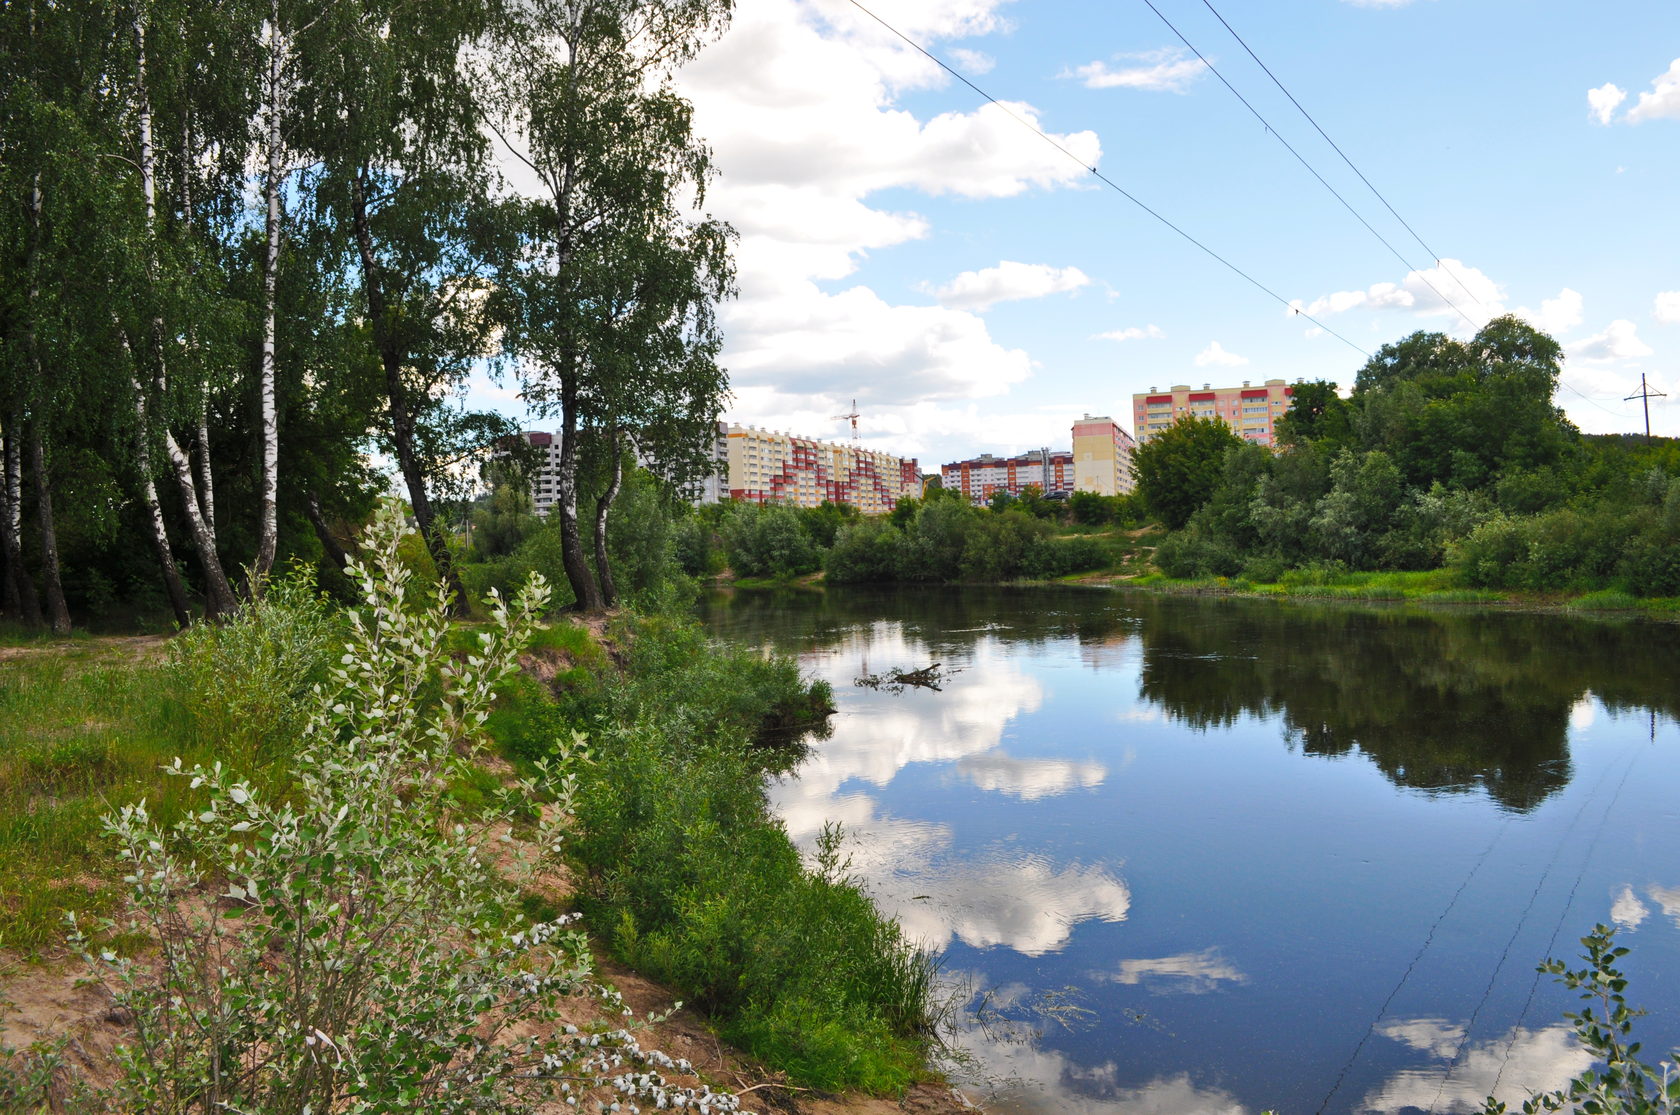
1555, 315
1619, 341
1008, 281
802, 340
1192, 972
1663, 101
974, 62
1627, 911
1215, 354
1030, 779
1510, 1067
1603, 101
1668, 898
798, 103
1168, 70
1666, 307
1131, 333
1443, 290
1381, 296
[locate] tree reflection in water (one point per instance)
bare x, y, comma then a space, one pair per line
1439, 700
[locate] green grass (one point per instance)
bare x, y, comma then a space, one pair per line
689, 876
79, 730
1605, 600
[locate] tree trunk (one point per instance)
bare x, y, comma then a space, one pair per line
201, 437
584, 588
172, 586
218, 594
603, 564
154, 514
335, 553
268, 528
20, 598
402, 422
58, 612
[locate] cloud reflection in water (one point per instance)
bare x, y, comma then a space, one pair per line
1510, 1067
985, 897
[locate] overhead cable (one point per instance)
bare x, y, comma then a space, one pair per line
1442, 263
1277, 135
1107, 181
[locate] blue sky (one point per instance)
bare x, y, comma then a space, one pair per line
907, 245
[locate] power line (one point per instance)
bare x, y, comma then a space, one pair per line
1277, 135
1590, 399
1428, 940
1433, 254
1107, 181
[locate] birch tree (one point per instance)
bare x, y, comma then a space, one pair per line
609, 298
393, 117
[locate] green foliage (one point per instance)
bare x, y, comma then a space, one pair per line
1178, 469
825, 521
244, 685
1620, 1083
1468, 413
1317, 414
1093, 509
700, 888
352, 954
696, 544
770, 542
866, 552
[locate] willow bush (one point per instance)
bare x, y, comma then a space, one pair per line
346, 947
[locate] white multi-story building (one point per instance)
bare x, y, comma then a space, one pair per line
766, 466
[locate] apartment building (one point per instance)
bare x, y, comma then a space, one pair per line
980, 477
1251, 412
545, 479
767, 466
1102, 456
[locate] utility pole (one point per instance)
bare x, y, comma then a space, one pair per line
1646, 394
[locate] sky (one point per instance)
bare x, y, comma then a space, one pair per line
906, 243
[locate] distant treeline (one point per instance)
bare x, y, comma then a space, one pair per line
1447, 453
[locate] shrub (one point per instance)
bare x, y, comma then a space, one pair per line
345, 948
1622, 1084
872, 550
770, 542
244, 685
1191, 554
1047, 558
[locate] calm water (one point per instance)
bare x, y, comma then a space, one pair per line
1218, 856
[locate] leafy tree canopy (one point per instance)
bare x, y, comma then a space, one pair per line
1178, 469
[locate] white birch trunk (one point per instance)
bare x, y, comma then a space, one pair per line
218, 593
270, 485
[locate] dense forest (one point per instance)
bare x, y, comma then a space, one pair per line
249, 249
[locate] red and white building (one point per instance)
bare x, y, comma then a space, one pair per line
767, 466
1251, 412
979, 478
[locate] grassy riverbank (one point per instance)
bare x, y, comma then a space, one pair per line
682, 872
1433, 587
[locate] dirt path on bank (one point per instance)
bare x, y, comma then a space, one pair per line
98, 646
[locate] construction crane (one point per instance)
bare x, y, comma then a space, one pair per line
853, 417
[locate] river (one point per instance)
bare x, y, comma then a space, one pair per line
1213, 855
